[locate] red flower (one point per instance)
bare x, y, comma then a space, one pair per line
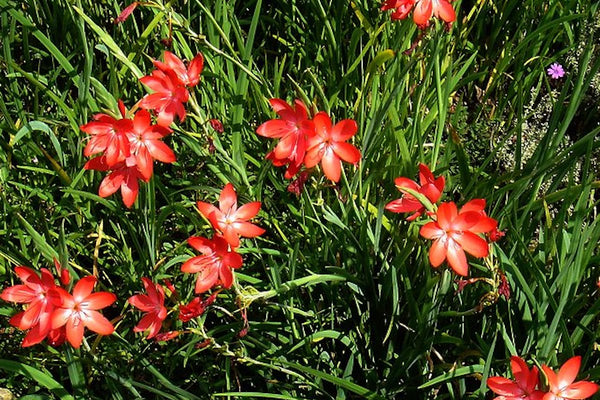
523, 387
230, 220
455, 232
430, 187
328, 146
63, 274
146, 145
401, 8
153, 304
425, 9
173, 66
496, 235
297, 185
37, 293
214, 265
292, 129
168, 97
56, 337
126, 13
562, 385
165, 336
124, 176
196, 307
216, 125
81, 310
109, 135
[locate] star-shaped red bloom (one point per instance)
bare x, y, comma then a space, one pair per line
430, 187
562, 386
80, 310
37, 293
292, 129
328, 145
230, 220
153, 304
524, 387
214, 265
455, 232
124, 176
146, 143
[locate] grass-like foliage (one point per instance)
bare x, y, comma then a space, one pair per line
337, 299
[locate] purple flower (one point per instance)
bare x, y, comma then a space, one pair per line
556, 71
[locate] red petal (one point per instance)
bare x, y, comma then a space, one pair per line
233, 260
437, 253
344, 130
195, 69
403, 205
568, 372
446, 214
247, 229
84, 288
322, 124
75, 332
142, 302
100, 300
227, 198
472, 244
579, 390
457, 258
98, 323
203, 245
129, 190
331, 165
18, 294
206, 279
313, 157
347, 152
504, 387
111, 183
160, 151
444, 11
206, 209
248, 211
422, 12
431, 230
275, 128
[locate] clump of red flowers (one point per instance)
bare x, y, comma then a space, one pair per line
219, 257
308, 142
127, 146
52, 312
454, 232
526, 384
422, 10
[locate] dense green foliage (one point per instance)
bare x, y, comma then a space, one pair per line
375, 320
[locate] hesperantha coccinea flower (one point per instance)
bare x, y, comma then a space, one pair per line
455, 232
523, 387
329, 146
80, 310
429, 186
423, 10
293, 128
229, 220
128, 148
169, 83
562, 386
216, 264
36, 293
153, 305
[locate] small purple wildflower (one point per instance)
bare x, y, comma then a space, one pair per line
556, 71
